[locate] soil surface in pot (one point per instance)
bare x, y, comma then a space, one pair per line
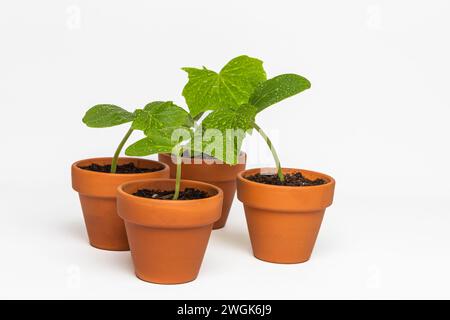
290, 179
186, 194
123, 168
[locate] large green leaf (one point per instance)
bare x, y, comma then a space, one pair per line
232, 86
233, 123
106, 115
278, 88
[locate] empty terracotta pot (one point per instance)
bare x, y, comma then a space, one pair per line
219, 174
168, 238
283, 222
97, 192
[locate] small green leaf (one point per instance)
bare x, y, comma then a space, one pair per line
233, 123
149, 145
170, 114
278, 88
232, 86
158, 115
141, 120
160, 121
106, 115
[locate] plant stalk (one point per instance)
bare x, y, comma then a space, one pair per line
272, 149
197, 117
178, 177
119, 149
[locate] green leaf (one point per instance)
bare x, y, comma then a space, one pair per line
160, 121
170, 114
278, 88
241, 117
106, 115
150, 145
232, 86
233, 123
159, 115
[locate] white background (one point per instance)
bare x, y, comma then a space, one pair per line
376, 119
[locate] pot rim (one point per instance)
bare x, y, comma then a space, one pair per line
133, 197
131, 175
330, 180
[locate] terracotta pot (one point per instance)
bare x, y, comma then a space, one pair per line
219, 174
283, 222
97, 193
168, 238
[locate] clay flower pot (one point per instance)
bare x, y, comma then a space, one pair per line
219, 174
97, 193
168, 238
283, 222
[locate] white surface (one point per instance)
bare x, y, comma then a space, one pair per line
376, 119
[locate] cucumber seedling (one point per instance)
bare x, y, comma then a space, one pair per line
235, 95
157, 119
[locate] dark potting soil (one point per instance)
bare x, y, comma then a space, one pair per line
186, 194
290, 179
122, 168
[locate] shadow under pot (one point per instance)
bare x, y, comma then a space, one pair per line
284, 221
97, 192
221, 175
168, 238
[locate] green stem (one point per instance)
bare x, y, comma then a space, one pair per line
178, 178
272, 149
118, 150
197, 117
